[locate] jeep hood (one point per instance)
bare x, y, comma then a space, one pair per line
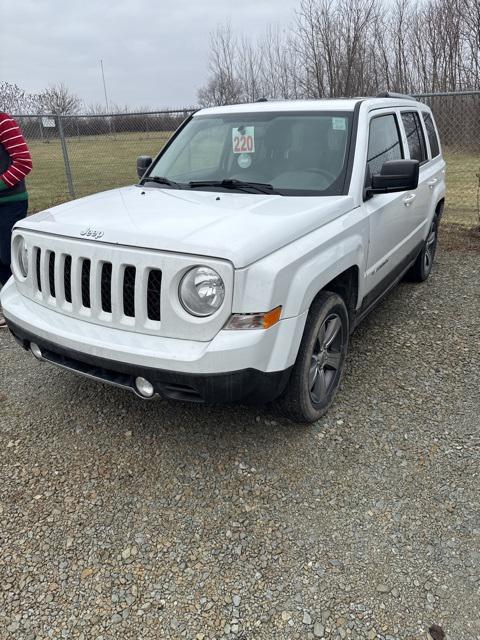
239, 227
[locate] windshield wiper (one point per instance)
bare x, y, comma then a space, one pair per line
231, 183
161, 180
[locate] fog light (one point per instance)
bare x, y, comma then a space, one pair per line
35, 349
144, 387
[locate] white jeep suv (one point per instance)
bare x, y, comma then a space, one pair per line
237, 268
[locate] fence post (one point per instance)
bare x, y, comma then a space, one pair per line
66, 159
40, 127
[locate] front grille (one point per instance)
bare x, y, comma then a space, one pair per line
98, 286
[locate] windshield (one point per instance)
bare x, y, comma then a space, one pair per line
293, 153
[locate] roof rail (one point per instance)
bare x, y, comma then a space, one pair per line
391, 94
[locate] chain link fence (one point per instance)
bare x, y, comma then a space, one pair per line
458, 120
74, 156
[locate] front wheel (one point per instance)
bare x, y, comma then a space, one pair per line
320, 361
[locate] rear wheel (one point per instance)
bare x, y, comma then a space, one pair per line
424, 263
320, 362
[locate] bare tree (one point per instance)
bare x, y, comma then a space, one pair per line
278, 72
59, 99
351, 47
16, 101
471, 40
224, 86
248, 67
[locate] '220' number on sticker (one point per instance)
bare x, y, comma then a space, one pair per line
243, 144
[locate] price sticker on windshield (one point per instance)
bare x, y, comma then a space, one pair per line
243, 139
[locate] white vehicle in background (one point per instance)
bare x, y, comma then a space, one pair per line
237, 268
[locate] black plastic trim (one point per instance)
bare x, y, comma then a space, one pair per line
376, 295
352, 147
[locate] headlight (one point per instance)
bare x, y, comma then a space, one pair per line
201, 291
22, 256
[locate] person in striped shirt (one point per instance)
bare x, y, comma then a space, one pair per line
15, 164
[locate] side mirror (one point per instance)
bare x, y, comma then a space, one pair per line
143, 162
395, 175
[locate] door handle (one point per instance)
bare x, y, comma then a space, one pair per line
431, 183
407, 201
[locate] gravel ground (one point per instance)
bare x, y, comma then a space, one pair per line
125, 519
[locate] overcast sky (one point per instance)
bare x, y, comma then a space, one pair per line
155, 53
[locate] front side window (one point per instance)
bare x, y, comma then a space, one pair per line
296, 153
432, 134
415, 138
383, 143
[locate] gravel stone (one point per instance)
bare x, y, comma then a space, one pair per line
13, 627
306, 618
115, 512
383, 588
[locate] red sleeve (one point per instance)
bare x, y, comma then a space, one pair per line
14, 143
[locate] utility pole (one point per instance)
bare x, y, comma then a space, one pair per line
104, 85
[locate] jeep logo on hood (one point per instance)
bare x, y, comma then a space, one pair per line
91, 233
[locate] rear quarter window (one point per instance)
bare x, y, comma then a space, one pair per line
432, 134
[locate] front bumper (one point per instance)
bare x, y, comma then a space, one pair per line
234, 366
248, 385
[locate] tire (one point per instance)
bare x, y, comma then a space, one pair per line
424, 262
319, 367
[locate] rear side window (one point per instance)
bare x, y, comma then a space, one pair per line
415, 138
432, 134
384, 142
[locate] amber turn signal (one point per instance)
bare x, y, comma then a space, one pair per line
254, 320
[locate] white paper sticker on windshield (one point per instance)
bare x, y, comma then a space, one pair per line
339, 124
243, 139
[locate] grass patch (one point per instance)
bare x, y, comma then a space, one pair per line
461, 206
108, 161
97, 163
457, 237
